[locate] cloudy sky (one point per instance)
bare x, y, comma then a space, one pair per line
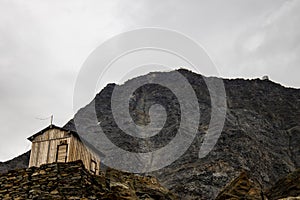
43, 45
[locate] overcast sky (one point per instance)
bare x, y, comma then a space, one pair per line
43, 44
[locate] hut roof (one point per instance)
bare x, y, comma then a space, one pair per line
31, 138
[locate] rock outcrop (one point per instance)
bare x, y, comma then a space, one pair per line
242, 188
73, 181
287, 187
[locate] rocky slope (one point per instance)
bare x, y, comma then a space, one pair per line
19, 162
242, 187
286, 187
73, 181
261, 135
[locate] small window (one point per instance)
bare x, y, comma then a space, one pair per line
93, 166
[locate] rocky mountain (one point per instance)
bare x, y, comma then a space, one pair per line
261, 135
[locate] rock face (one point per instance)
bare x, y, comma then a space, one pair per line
261, 135
19, 162
287, 187
73, 181
242, 188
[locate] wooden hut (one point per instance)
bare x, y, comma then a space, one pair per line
56, 144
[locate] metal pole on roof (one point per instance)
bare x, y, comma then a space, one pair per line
47, 118
51, 120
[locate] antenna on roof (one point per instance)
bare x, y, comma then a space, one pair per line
47, 118
51, 122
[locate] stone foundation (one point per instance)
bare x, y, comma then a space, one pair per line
73, 181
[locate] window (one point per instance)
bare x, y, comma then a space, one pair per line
93, 166
61, 154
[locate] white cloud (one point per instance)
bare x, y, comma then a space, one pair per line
272, 46
44, 43
42, 46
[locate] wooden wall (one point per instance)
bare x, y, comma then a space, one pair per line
78, 151
44, 149
44, 146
